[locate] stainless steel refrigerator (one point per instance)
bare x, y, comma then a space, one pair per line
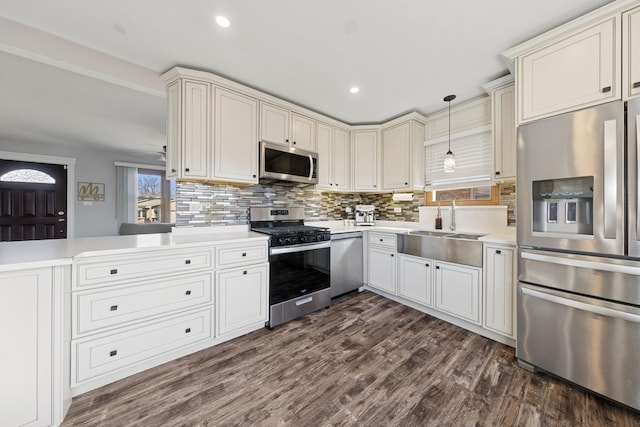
579, 253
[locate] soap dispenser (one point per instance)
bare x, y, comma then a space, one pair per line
438, 218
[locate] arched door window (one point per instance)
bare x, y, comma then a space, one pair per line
27, 175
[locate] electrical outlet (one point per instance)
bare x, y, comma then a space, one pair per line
397, 210
348, 209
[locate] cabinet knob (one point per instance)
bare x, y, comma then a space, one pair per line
186, 331
606, 89
187, 261
114, 271
392, 255
173, 170
498, 251
636, 85
244, 254
330, 184
113, 353
244, 272
186, 169
427, 265
294, 143
113, 307
497, 172
375, 186
286, 140
187, 293
382, 240
336, 185
406, 183
437, 267
254, 175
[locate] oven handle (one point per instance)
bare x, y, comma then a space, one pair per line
582, 305
299, 248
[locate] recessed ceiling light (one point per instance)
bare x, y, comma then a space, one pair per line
354, 89
222, 21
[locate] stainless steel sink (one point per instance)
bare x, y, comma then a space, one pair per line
460, 248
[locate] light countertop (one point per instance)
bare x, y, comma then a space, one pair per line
46, 253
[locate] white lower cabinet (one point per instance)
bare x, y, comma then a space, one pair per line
458, 290
241, 298
415, 279
500, 281
382, 269
31, 362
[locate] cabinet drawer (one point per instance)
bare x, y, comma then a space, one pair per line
241, 254
113, 352
383, 239
99, 309
130, 266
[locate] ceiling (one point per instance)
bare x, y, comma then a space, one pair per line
85, 72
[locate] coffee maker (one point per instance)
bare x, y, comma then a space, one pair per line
364, 215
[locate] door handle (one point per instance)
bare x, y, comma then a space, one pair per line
610, 179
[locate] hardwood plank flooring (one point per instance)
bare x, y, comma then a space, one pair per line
366, 361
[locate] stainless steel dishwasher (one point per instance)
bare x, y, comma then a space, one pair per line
346, 262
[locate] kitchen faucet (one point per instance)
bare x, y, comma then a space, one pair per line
453, 208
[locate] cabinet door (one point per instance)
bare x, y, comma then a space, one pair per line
340, 160
196, 152
631, 52
504, 132
458, 291
26, 316
303, 132
274, 124
573, 73
174, 128
241, 298
324, 144
235, 137
418, 156
365, 160
415, 279
382, 269
396, 157
499, 289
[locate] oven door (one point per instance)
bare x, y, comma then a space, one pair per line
298, 270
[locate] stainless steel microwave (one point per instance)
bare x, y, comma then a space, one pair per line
282, 163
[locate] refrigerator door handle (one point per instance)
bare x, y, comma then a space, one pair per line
603, 311
610, 179
637, 174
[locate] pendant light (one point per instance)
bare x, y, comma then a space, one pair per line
449, 158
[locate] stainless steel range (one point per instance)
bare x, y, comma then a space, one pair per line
299, 262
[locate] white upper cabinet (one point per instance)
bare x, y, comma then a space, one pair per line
504, 132
631, 53
281, 126
332, 145
365, 160
274, 124
189, 130
396, 157
303, 132
418, 155
235, 137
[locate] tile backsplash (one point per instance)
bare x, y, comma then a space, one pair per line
203, 204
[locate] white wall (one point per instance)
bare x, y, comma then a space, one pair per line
92, 165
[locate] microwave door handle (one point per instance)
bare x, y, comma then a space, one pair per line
610, 179
310, 167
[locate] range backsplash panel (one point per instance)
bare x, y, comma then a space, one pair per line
202, 204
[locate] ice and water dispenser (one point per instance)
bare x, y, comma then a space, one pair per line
563, 205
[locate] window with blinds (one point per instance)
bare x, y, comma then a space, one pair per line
474, 162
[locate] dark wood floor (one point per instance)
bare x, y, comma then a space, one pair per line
366, 361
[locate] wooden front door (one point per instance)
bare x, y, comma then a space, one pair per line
33, 201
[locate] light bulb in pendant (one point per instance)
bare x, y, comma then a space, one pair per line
449, 162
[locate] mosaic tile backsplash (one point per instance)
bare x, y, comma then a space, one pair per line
202, 204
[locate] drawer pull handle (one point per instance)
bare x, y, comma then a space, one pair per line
114, 271
636, 85
186, 331
188, 293
606, 89
173, 170
244, 254
114, 307
244, 272
497, 173
188, 261
113, 353
498, 251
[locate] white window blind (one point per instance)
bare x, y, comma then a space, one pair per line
474, 162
